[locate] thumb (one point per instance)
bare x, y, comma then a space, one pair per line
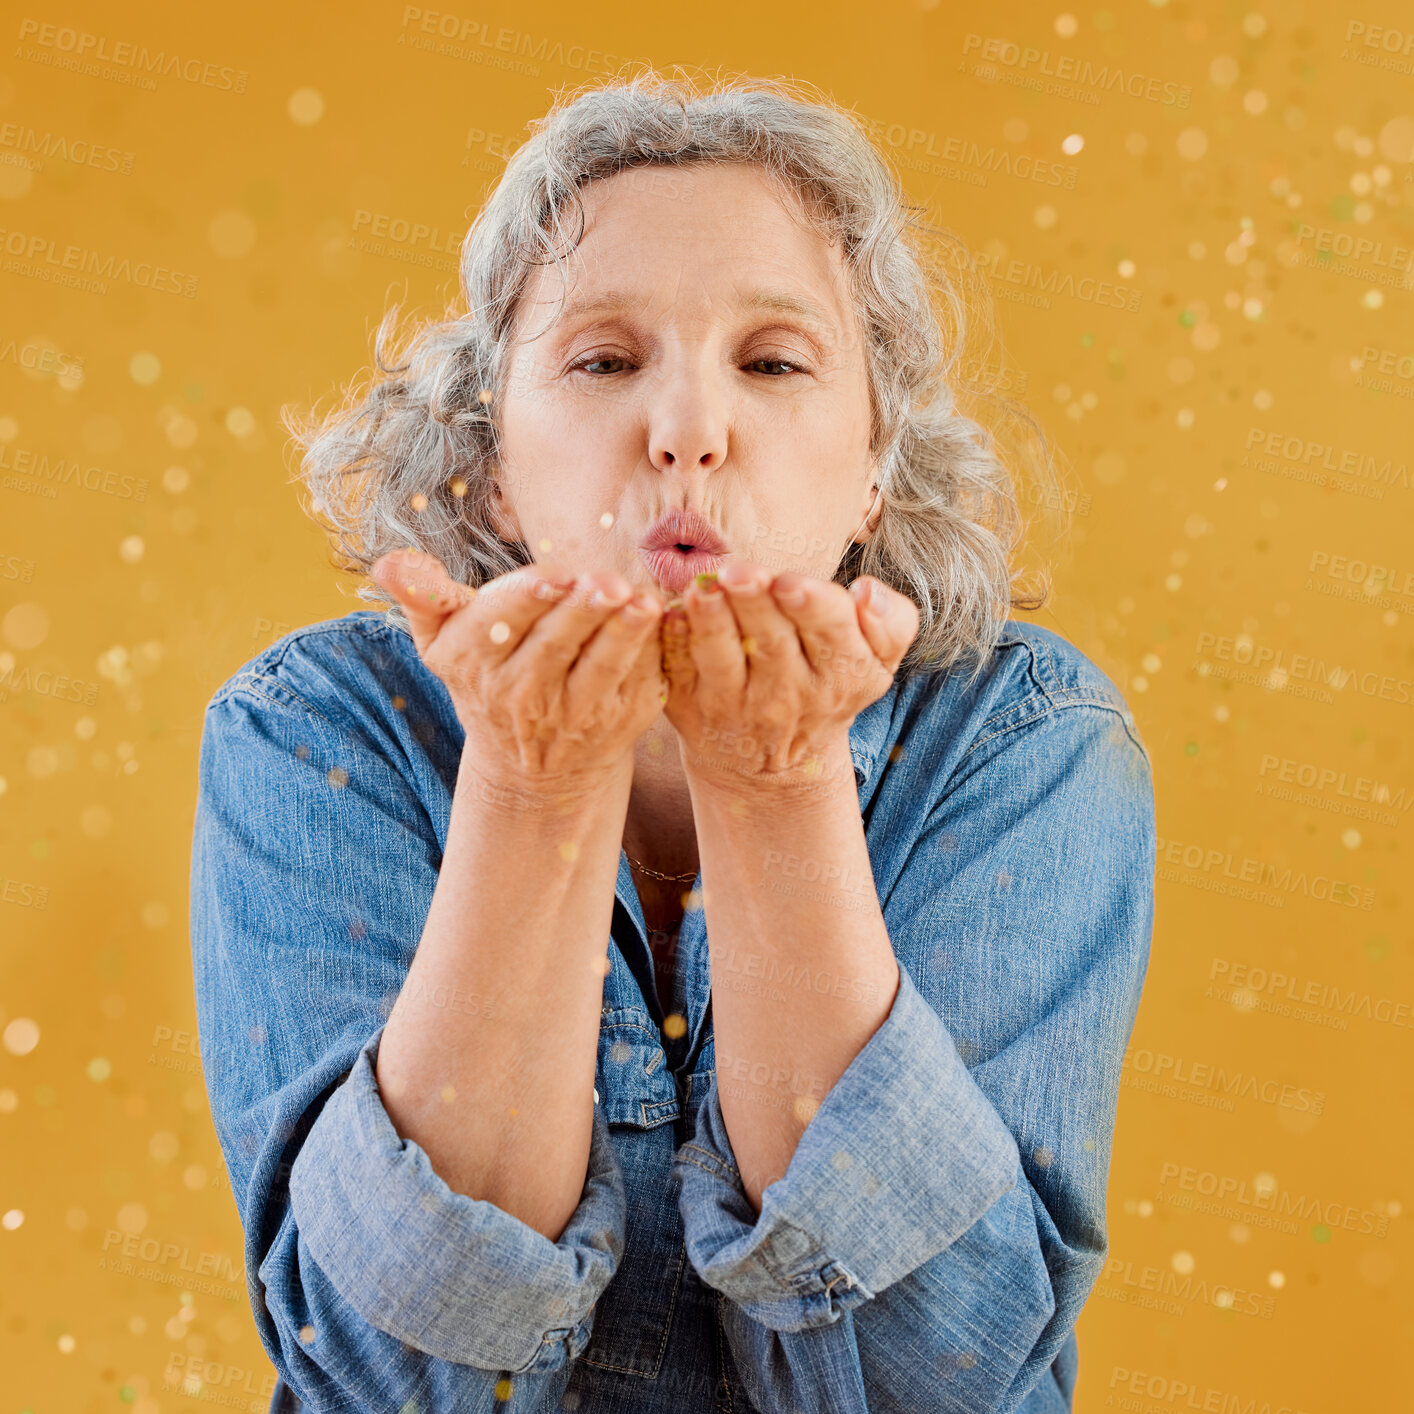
427, 594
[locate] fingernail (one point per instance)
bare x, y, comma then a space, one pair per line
639, 607
793, 595
881, 605
548, 589
748, 585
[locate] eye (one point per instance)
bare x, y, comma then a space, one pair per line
778, 366
593, 365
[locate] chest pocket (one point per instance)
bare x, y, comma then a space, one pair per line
639, 1097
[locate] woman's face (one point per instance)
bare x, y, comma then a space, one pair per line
707, 360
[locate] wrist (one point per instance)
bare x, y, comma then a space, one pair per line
716, 775
543, 798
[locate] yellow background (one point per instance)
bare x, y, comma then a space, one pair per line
1227, 589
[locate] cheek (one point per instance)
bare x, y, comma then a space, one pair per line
801, 530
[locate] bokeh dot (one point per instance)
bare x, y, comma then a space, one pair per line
306, 106
145, 368
25, 625
1192, 144
21, 1036
231, 233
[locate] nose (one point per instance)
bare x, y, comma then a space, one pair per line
687, 429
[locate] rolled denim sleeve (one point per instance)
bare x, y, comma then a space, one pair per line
452, 1276
942, 1220
372, 1283
869, 1194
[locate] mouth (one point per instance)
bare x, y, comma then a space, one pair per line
679, 547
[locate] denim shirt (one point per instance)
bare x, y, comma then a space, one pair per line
942, 1220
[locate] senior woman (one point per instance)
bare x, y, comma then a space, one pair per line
678, 957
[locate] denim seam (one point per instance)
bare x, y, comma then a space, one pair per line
255, 685
718, 1168
1105, 704
365, 627
662, 1340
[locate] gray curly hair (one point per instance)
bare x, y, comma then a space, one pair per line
411, 459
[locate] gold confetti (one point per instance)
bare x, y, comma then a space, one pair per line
748, 645
418, 502
503, 1390
674, 1025
484, 397
805, 1107
457, 487
569, 851
449, 1093
337, 776
500, 631
607, 519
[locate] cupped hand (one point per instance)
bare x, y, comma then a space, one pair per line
554, 676
766, 673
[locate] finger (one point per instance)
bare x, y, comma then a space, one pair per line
826, 620
714, 639
768, 638
677, 664
615, 653
504, 611
422, 587
556, 639
887, 619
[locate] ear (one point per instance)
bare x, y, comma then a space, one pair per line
504, 519
870, 509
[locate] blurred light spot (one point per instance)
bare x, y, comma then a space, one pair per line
240, 422
130, 551
13, 1219
231, 233
176, 479
1192, 144
1183, 1263
1072, 144
306, 106
1223, 72
1397, 139
100, 1068
21, 1036
25, 626
145, 368
132, 1218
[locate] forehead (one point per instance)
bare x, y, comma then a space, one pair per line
697, 239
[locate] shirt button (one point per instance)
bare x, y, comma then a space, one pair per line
596, 1096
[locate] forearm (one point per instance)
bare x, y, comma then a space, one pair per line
803, 973
487, 1060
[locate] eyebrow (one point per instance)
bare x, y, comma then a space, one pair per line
634, 302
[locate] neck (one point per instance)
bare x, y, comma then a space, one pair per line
659, 830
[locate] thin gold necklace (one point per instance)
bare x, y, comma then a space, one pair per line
653, 873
